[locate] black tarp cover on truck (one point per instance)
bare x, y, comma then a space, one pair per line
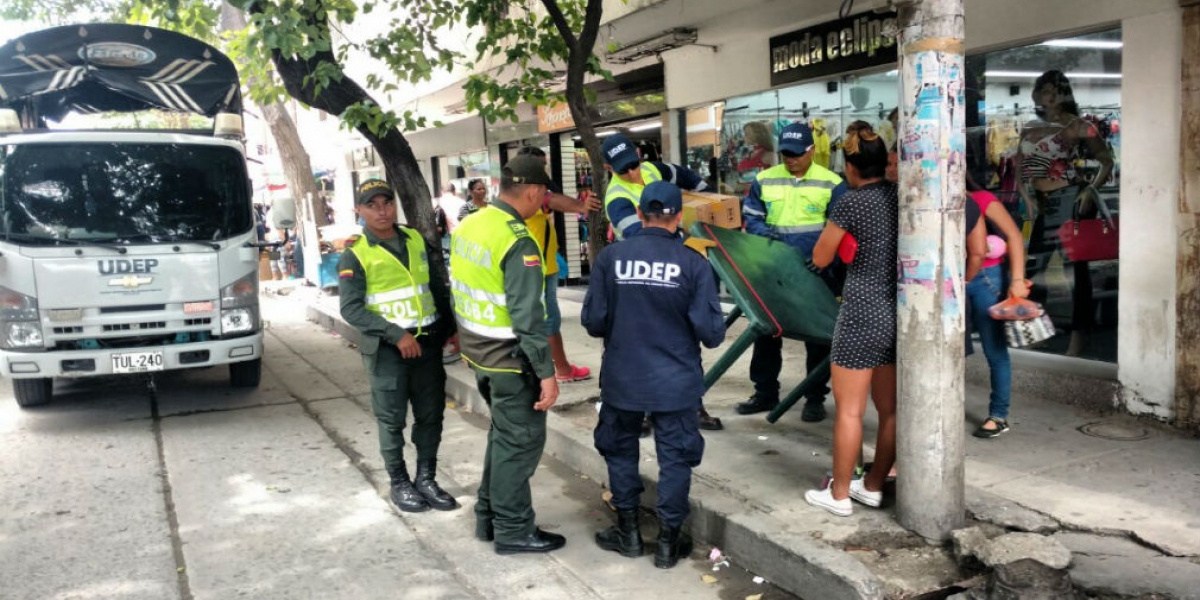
114, 67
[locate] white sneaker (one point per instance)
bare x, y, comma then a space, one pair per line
824, 499
859, 492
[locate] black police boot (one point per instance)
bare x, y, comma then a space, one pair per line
757, 404
814, 411
673, 544
484, 530
538, 541
430, 490
624, 538
404, 495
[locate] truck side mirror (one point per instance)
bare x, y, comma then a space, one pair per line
283, 213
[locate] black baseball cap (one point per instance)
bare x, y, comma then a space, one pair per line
527, 169
662, 198
371, 188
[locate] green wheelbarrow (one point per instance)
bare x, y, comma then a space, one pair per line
776, 294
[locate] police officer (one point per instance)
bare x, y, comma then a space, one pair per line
653, 301
629, 175
497, 285
402, 309
788, 202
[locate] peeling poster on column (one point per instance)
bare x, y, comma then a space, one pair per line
856, 42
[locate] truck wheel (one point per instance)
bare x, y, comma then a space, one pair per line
245, 374
33, 392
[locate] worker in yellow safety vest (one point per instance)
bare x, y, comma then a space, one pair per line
788, 202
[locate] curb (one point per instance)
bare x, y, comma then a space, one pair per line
761, 543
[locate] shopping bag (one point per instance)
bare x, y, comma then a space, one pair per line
1085, 240
1030, 332
1013, 308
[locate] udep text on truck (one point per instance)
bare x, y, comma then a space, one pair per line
122, 251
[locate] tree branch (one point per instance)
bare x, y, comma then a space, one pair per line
564, 28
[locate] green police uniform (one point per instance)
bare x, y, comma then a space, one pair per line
497, 284
387, 289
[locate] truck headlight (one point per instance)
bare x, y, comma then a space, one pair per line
239, 306
20, 326
237, 320
23, 334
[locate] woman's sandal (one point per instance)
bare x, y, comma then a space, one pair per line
984, 432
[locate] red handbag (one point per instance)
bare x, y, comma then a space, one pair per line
1091, 239
847, 248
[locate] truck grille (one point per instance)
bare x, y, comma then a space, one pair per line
196, 322
135, 326
67, 330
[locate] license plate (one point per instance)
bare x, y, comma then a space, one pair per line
138, 362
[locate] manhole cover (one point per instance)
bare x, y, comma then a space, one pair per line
1114, 431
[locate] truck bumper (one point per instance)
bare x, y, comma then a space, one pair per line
87, 363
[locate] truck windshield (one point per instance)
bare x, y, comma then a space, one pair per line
122, 192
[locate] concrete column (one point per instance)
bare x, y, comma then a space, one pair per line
1150, 213
1187, 266
930, 299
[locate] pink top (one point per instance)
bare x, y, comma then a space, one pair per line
984, 199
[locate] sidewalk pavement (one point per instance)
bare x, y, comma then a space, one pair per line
1122, 494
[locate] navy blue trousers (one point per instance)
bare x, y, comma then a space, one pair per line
679, 445
767, 361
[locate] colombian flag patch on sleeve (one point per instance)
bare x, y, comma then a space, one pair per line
346, 274
532, 260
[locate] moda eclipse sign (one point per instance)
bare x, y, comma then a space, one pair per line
856, 42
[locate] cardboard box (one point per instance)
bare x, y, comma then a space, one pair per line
716, 209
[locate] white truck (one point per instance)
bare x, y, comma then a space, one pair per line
123, 251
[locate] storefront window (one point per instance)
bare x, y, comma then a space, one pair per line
751, 124
1044, 136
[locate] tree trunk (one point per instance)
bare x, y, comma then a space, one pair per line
930, 299
297, 168
403, 172
580, 50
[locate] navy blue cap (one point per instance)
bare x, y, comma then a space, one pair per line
796, 138
661, 198
619, 153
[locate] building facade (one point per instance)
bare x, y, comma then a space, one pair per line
716, 102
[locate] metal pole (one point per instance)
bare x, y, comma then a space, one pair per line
930, 300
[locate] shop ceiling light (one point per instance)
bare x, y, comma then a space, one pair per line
646, 126
1094, 44
669, 39
1036, 74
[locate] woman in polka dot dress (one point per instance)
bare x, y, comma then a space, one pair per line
864, 341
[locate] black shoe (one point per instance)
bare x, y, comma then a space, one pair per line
673, 544
709, 422
814, 411
647, 427
484, 531
757, 404
430, 490
1001, 427
624, 538
538, 541
404, 495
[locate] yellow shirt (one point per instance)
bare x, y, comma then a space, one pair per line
541, 227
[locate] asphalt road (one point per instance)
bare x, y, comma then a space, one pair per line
190, 489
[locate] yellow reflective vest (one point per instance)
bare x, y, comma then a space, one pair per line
476, 272
619, 188
397, 292
797, 205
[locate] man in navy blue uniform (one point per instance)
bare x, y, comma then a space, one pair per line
654, 301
